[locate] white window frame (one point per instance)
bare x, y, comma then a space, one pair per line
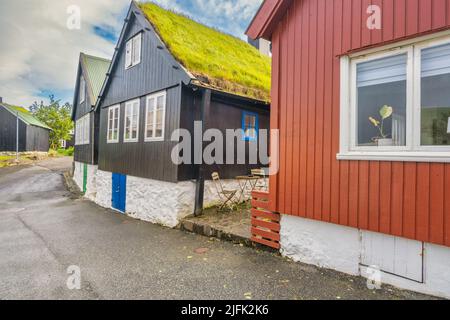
413, 151
82, 89
129, 104
133, 51
155, 96
113, 109
87, 128
82, 132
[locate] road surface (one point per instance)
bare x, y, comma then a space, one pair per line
44, 230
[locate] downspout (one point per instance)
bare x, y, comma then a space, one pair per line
200, 169
17, 136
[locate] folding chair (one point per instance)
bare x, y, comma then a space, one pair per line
226, 197
262, 174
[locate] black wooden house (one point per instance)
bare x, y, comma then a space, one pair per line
166, 74
90, 77
33, 135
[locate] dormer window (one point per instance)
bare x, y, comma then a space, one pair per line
133, 51
82, 90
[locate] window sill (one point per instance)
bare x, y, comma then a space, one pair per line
154, 140
132, 66
402, 156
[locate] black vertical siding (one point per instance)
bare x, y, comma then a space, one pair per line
31, 138
8, 132
86, 153
37, 139
154, 73
151, 160
226, 113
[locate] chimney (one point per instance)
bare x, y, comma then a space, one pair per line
263, 46
1, 100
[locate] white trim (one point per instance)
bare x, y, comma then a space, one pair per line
131, 59
402, 156
82, 90
427, 38
155, 96
127, 105
113, 109
413, 151
82, 126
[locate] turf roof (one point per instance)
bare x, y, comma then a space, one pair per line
25, 116
217, 60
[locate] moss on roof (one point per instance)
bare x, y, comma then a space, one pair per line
218, 60
25, 116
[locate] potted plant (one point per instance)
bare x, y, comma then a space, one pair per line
383, 139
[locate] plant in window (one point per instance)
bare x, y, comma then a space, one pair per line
383, 139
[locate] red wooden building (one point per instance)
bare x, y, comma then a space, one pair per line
361, 96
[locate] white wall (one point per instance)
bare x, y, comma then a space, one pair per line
91, 184
104, 189
321, 244
155, 201
159, 202
340, 248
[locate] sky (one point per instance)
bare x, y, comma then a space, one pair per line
39, 53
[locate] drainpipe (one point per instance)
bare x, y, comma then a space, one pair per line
200, 169
17, 136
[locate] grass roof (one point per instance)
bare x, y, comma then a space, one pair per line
25, 116
218, 60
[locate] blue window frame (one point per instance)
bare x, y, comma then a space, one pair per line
250, 126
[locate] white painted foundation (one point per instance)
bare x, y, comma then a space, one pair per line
104, 189
155, 201
91, 183
321, 244
341, 248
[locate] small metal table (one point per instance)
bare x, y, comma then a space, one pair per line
243, 181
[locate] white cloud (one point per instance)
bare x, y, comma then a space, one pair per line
39, 53
37, 50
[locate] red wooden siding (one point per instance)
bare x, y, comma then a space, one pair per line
411, 200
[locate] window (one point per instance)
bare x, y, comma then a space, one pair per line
396, 104
113, 124
155, 117
133, 51
82, 130
250, 126
131, 121
82, 90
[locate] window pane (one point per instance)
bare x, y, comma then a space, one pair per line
159, 123
381, 102
435, 91
150, 123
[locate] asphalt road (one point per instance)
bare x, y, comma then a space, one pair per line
44, 230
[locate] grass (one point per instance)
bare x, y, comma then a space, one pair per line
216, 59
66, 152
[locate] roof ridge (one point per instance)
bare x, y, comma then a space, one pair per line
95, 57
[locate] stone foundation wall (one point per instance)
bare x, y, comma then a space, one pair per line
91, 183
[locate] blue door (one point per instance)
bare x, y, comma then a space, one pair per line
119, 191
